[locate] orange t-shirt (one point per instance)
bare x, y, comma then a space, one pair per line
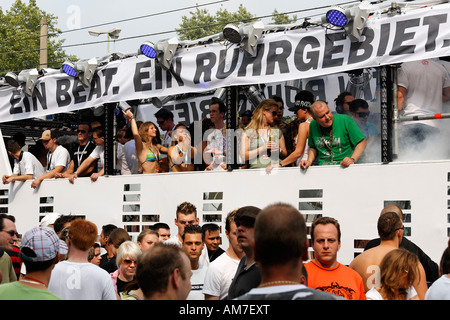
340, 280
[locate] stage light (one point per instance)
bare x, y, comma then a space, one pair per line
232, 33
352, 20
161, 101
69, 69
148, 49
247, 35
84, 70
163, 51
12, 79
124, 106
254, 95
26, 79
337, 16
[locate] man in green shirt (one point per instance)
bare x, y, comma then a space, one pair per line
333, 139
40, 250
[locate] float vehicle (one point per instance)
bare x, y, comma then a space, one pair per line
243, 65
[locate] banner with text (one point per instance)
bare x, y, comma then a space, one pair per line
281, 56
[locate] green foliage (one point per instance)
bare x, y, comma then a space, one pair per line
20, 38
281, 18
202, 23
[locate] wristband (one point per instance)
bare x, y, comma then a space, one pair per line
353, 159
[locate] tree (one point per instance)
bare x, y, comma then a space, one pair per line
202, 23
281, 18
20, 38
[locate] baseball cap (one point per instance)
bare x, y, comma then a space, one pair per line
246, 215
303, 99
46, 135
49, 219
41, 244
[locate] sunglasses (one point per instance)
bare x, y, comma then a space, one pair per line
81, 131
363, 114
128, 262
12, 233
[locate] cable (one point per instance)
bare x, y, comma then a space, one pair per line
129, 19
172, 31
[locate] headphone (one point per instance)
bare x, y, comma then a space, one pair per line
340, 100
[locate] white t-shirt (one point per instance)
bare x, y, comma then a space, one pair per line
99, 154
59, 157
373, 294
29, 164
439, 290
197, 281
220, 275
424, 81
130, 163
119, 156
217, 140
81, 281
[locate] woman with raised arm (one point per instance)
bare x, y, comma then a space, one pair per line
148, 145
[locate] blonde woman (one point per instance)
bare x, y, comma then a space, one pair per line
399, 270
262, 141
148, 146
126, 260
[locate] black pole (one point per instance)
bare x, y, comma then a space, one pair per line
386, 109
109, 138
231, 121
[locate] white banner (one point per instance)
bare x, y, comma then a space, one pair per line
281, 56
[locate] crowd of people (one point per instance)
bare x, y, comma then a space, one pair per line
265, 140
317, 136
69, 258
72, 258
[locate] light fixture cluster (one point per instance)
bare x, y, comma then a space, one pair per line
163, 51
83, 70
26, 79
352, 20
246, 35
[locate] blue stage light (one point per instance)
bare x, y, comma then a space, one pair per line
69, 69
336, 16
148, 49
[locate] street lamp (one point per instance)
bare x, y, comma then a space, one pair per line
113, 34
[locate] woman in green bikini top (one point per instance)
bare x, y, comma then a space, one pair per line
148, 147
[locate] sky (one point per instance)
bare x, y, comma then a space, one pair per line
84, 14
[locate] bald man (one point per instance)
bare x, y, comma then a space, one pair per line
333, 139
